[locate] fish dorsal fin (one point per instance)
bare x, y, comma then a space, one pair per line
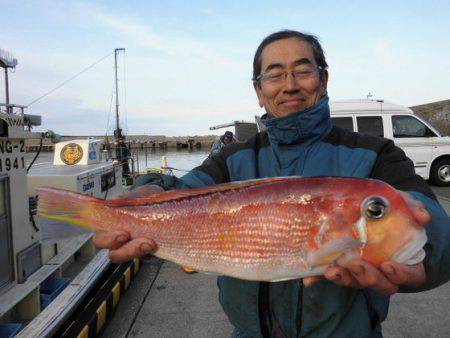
188, 193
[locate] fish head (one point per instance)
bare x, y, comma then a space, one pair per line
387, 228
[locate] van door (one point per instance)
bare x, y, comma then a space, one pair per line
416, 139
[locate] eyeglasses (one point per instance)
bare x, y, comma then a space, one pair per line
299, 73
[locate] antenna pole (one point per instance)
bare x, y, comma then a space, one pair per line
121, 149
116, 51
6, 87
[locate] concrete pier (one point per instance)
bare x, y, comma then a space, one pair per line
164, 301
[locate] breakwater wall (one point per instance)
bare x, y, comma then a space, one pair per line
136, 142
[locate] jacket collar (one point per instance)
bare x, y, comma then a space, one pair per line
308, 124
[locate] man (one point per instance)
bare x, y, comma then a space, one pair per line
224, 140
290, 79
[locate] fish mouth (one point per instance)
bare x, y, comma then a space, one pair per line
412, 252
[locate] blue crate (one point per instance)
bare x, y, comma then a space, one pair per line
9, 330
50, 288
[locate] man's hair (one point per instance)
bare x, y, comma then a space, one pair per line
228, 134
319, 55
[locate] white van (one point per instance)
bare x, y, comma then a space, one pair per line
424, 145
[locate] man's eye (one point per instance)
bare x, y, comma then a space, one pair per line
303, 72
274, 76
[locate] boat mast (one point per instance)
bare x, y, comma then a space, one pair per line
119, 139
116, 51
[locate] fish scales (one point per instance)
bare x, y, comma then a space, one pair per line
259, 241
269, 229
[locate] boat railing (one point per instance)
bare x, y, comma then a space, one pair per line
9, 108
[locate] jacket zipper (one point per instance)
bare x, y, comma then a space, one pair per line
298, 319
264, 310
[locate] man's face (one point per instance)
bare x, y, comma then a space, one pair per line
281, 95
226, 140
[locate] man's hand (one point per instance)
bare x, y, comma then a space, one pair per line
389, 276
121, 248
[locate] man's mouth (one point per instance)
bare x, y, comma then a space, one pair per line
292, 102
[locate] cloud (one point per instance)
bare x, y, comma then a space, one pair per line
208, 12
39, 72
401, 73
67, 116
179, 46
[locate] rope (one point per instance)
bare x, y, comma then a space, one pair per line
68, 80
110, 109
171, 168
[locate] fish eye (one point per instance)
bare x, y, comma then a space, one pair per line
374, 207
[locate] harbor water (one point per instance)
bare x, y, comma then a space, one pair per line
181, 160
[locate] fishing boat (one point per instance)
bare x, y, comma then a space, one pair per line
53, 281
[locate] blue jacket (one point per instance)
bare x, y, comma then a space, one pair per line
306, 144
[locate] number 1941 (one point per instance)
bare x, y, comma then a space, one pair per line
7, 164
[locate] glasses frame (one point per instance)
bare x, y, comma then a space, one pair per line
260, 77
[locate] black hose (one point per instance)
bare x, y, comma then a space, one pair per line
36, 156
32, 208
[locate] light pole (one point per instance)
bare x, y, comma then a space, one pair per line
7, 61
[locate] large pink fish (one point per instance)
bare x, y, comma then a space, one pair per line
268, 229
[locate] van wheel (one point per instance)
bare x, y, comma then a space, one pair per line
440, 173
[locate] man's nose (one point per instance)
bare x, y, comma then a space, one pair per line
290, 83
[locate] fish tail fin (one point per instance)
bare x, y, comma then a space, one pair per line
69, 206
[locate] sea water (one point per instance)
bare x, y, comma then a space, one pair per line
181, 160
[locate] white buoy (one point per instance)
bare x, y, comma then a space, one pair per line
164, 162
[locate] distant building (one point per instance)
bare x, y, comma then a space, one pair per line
437, 113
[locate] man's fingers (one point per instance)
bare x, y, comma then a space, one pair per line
110, 239
370, 277
120, 246
421, 214
417, 208
133, 249
342, 277
401, 274
308, 281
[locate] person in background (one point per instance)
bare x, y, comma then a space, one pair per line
290, 77
224, 140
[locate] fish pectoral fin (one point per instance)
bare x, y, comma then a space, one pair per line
331, 251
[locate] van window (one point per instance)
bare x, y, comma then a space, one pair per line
343, 122
409, 126
370, 125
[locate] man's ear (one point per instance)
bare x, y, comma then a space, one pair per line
324, 79
257, 87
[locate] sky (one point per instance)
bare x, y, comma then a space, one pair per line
187, 64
